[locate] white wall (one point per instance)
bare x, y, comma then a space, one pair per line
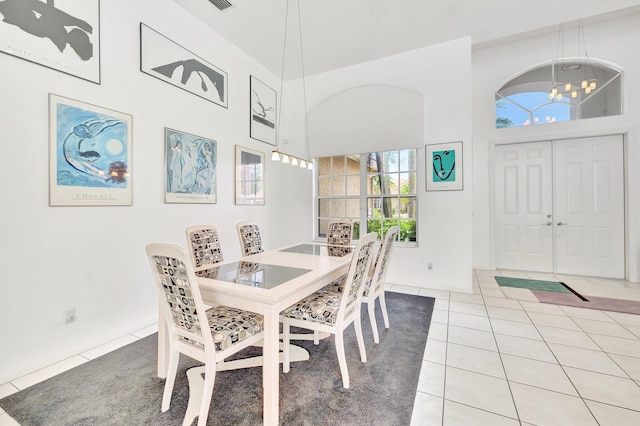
442, 74
92, 258
493, 66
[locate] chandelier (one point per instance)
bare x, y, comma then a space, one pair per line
277, 155
579, 83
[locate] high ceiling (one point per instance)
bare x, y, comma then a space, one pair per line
337, 34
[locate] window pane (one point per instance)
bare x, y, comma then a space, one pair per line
323, 225
391, 184
391, 161
324, 186
356, 230
353, 185
408, 231
408, 183
353, 165
372, 161
338, 166
324, 207
374, 207
408, 160
353, 208
324, 166
373, 185
408, 207
337, 186
337, 208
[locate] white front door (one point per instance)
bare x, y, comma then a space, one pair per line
524, 208
559, 206
589, 206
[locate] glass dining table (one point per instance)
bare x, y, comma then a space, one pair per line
267, 283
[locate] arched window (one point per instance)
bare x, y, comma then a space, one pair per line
567, 89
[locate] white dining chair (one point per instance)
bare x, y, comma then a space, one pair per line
208, 336
330, 312
374, 286
204, 245
250, 238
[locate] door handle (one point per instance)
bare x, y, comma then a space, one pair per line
561, 223
548, 224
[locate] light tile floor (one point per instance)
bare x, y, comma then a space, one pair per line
493, 361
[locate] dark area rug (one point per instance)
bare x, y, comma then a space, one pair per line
121, 387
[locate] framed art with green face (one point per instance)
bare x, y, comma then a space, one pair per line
444, 167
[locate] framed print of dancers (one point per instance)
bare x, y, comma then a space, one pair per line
190, 168
89, 154
64, 36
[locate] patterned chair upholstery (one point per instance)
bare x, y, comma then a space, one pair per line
339, 233
208, 336
250, 239
329, 312
204, 245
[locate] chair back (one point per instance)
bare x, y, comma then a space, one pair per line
250, 239
204, 245
357, 275
179, 294
339, 232
379, 266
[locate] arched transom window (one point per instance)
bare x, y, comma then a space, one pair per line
569, 89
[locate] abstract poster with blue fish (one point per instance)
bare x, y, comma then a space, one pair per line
63, 35
90, 154
444, 167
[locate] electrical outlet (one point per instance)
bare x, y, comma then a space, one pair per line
429, 265
69, 316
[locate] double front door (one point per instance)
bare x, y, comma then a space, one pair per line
559, 206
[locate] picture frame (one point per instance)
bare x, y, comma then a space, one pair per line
166, 60
444, 166
90, 151
263, 111
249, 176
64, 37
190, 168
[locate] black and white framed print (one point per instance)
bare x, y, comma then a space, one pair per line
444, 166
263, 112
166, 60
64, 37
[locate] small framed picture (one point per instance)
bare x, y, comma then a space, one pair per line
263, 112
190, 164
90, 154
444, 166
249, 176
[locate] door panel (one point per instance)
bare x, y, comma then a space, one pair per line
589, 204
523, 177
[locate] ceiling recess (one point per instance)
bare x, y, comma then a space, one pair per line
221, 4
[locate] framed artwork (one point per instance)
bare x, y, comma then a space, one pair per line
89, 154
63, 37
444, 166
249, 176
166, 60
263, 112
190, 164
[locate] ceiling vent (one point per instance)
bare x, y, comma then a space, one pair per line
221, 4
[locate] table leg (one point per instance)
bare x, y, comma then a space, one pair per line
271, 367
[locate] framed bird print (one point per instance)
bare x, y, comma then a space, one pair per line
263, 112
444, 166
166, 60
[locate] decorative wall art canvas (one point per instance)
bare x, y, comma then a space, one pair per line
90, 154
249, 176
166, 60
444, 166
263, 112
64, 36
190, 168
